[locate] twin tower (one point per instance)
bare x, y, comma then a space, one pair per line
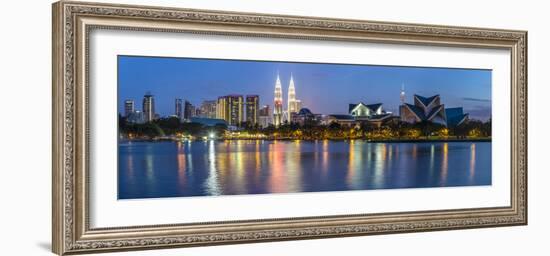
293, 105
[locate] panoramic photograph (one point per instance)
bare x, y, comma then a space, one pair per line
211, 127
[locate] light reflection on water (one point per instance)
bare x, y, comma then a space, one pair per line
207, 168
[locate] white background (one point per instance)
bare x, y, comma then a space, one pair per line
26, 115
107, 211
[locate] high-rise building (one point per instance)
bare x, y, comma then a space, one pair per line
278, 103
264, 111
297, 105
148, 107
230, 109
198, 112
188, 111
293, 105
264, 117
129, 107
135, 117
252, 108
291, 108
402, 98
179, 108
208, 108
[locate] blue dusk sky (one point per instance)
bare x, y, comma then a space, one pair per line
323, 88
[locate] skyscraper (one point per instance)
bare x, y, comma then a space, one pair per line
264, 110
291, 108
264, 118
128, 107
188, 111
179, 109
208, 108
252, 108
278, 103
148, 107
230, 109
297, 105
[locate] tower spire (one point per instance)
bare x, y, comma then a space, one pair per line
278, 82
402, 95
278, 102
291, 108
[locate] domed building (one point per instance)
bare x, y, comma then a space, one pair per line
305, 112
305, 116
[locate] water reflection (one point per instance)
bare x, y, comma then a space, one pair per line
444, 164
432, 158
130, 164
149, 163
325, 156
211, 184
181, 163
472, 161
277, 179
168, 169
379, 162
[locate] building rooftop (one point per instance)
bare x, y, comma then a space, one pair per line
426, 100
379, 117
417, 111
207, 121
305, 111
455, 116
342, 117
372, 107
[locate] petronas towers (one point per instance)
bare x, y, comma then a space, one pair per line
278, 103
293, 105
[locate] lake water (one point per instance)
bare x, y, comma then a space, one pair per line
207, 168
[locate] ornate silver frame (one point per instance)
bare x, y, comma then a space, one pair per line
72, 22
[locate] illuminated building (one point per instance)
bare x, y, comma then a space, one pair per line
371, 113
208, 108
343, 120
230, 109
135, 117
128, 107
430, 109
148, 107
360, 113
297, 105
264, 116
291, 108
293, 105
252, 108
305, 116
278, 103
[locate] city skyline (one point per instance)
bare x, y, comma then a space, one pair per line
323, 88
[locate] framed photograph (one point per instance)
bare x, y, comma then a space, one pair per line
179, 127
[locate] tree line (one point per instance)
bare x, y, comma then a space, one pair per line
172, 126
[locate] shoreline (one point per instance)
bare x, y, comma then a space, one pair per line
312, 140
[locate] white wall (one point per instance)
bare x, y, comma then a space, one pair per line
25, 158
